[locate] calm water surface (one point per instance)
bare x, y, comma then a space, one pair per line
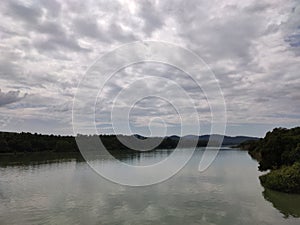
67, 191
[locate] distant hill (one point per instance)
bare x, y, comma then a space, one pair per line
227, 140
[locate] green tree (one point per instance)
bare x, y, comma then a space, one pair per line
64, 146
3, 146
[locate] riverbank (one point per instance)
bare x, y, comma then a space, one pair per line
279, 152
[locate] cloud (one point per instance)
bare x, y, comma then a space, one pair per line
88, 28
152, 16
252, 46
28, 14
10, 97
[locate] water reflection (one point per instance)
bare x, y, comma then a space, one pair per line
46, 189
142, 158
38, 158
287, 204
133, 158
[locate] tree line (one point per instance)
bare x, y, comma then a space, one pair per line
278, 151
27, 142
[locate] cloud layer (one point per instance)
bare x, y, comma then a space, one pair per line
253, 47
10, 97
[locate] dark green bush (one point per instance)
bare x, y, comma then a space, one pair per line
285, 179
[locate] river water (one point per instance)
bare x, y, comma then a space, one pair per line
68, 191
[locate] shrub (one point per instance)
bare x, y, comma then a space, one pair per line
285, 179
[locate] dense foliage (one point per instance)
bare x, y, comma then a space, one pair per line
286, 179
27, 142
278, 151
279, 147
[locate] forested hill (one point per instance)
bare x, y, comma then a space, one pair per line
227, 140
27, 142
278, 151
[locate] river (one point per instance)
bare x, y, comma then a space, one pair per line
68, 191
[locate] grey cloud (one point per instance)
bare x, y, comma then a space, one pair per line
229, 37
10, 97
32, 13
291, 30
258, 7
29, 14
152, 17
64, 107
88, 27
53, 7
56, 36
253, 48
8, 69
59, 43
51, 28
34, 21
117, 33
294, 40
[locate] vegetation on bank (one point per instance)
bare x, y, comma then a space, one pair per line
286, 179
279, 152
27, 142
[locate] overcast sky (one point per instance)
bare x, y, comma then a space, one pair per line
252, 47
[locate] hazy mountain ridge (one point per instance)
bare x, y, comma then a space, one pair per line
227, 140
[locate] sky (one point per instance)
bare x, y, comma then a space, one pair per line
251, 47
